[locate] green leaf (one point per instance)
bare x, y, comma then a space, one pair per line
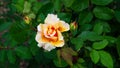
88, 35
51, 54
110, 39
118, 46
9, 40
65, 17
117, 4
85, 17
117, 15
81, 60
98, 28
101, 2
104, 13
23, 52
86, 27
100, 45
19, 2
4, 26
60, 63
39, 57
94, 56
106, 26
46, 8
80, 5
80, 66
41, 17
75, 66
2, 56
57, 5
106, 59
19, 5
11, 56
27, 7
36, 6
78, 43
19, 32
34, 48
68, 3
31, 16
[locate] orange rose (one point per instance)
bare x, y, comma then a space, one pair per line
49, 34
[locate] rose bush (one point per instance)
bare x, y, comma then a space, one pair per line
59, 33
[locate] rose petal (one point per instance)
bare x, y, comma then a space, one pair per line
59, 43
48, 47
53, 33
44, 39
39, 27
60, 37
63, 26
51, 19
38, 37
40, 44
45, 32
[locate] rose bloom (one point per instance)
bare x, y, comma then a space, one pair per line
49, 34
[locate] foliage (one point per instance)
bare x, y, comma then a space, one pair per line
94, 42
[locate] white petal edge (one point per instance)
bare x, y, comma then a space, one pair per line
66, 25
38, 37
39, 28
51, 19
40, 44
48, 47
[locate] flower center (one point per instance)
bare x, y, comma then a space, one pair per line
51, 31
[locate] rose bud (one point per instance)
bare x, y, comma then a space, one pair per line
73, 25
27, 19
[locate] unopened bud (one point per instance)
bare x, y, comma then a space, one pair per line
27, 19
73, 25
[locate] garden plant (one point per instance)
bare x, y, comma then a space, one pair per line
59, 33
